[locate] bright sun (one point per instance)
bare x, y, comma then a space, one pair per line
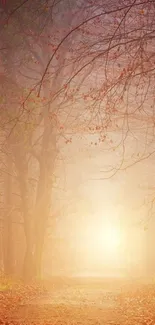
102, 241
100, 246
106, 241
111, 238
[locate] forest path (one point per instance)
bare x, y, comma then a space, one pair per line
90, 303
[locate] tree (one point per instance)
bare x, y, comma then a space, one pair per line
78, 73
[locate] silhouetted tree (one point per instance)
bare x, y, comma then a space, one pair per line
79, 67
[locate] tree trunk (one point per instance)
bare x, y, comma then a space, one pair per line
40, 231
22, 169
28, 266
43, 197
8, 240
42, 211
39, 246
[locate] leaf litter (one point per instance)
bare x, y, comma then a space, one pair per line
78, 304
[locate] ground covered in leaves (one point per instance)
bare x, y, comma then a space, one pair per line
82, 301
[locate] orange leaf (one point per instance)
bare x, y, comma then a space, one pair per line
142, 12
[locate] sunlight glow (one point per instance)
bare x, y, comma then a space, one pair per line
103, 244
112, 239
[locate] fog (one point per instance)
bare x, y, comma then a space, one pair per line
77, 139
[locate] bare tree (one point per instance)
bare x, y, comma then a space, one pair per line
78, 67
